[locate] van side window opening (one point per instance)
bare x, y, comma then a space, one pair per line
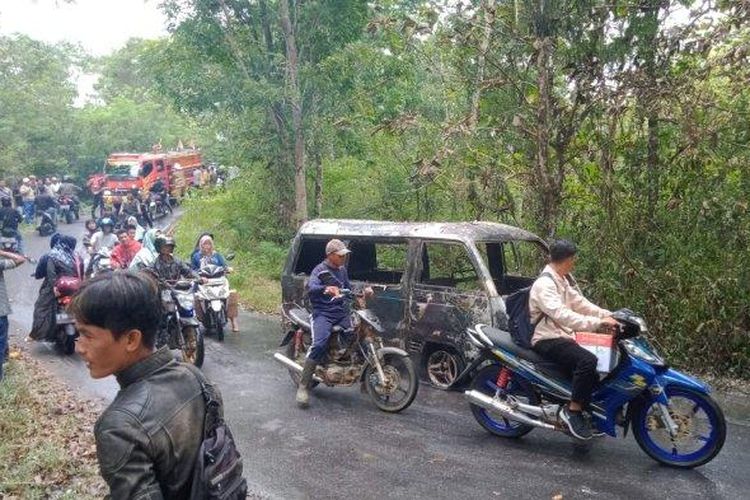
448, 265
377, 261
311, 253
523, 258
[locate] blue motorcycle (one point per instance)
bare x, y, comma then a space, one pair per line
674, 419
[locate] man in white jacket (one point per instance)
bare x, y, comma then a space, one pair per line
558, 309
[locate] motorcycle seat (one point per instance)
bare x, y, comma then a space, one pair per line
301, 317
503, 340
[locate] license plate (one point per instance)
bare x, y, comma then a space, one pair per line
64, 207
63, 318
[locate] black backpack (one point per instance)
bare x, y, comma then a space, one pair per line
519, 318
218, 468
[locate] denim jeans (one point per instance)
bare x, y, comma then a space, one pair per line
3, 342
28, 212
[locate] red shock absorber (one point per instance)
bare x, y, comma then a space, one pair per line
503, 377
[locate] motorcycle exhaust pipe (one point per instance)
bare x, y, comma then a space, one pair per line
488, 403
292, 365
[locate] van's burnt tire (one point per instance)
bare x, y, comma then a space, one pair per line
442, 365
299, 358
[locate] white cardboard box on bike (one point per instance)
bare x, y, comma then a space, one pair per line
602, 346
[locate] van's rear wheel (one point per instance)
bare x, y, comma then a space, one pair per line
442, 367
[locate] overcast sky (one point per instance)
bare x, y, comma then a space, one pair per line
100, 26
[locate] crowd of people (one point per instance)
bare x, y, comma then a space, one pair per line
24, 200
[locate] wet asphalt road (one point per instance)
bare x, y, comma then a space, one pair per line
343, 447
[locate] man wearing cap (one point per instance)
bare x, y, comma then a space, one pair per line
28, 196
329, 310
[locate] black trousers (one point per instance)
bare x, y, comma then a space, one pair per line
577, 361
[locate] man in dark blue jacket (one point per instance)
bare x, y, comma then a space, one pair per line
329, 310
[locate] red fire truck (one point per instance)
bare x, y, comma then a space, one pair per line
125, 172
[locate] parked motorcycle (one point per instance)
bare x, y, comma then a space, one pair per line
212, 296
674, 419
386, 373
180, 328
47, 225
66, 335
8, 241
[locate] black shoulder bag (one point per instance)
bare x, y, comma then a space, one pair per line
218, 468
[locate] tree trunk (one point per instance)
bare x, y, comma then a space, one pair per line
292, 66
488, 6
318, 183
546, 185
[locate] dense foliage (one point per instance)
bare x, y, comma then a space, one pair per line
621, 125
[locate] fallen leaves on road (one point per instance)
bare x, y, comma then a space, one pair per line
48, 448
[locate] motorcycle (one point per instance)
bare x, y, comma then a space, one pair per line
8, 241
212, 296
100, 262
66, 335
386, 373
47, 225
66, 212
158, 206
180, 328
674, 419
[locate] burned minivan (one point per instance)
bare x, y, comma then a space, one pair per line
431, 280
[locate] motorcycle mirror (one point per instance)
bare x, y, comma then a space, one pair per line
229, 256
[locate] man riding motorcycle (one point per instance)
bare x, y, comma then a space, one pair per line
558, 309
167, 267
329, 310
104, 238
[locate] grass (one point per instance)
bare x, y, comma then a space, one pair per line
257, 264
47, 448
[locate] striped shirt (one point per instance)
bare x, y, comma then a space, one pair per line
4, 302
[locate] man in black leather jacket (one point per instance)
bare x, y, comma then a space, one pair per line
148, 439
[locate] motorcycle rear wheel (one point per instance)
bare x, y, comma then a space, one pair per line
485, 382
299, 358
655, 441
397, 369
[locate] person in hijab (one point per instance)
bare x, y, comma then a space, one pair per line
147, 255
140, 231
205, 254
60, 261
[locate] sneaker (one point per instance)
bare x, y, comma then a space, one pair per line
577, 425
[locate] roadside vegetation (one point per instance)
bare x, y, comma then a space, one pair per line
47, 448
257, 263
622, 126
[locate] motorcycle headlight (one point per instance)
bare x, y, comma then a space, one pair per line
185, 300
641, 349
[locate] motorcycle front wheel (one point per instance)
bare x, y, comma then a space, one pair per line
701, 429
485, 382
219, 323
193, 345
400, 387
